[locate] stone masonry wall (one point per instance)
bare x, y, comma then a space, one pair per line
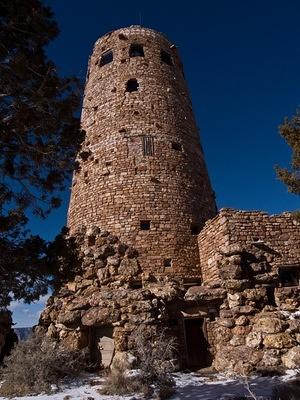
278, 235
109, 290
120, 183
257, 325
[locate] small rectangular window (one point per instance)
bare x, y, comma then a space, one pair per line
145, 225
167, 263
148, 146
195, 229
176, 146
136, 50
166, 57
132, 85
106, 58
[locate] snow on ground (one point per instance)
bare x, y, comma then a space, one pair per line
189, 386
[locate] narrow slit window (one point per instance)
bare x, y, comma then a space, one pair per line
195, 229
136, 50
106, 58
132, 85
148, 145
166, 57
176, 146
145, 225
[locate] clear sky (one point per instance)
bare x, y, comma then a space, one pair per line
242, 63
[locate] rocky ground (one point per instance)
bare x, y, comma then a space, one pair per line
190, 386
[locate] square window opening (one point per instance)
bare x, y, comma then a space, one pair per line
136, 285
176, 146
168, 263
195, 229
106, 58
145, 225
166, 57
136, 50
132, 85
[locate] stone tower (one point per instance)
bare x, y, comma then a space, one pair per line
142, 172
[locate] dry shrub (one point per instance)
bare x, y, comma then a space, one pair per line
118, 382
155, 354
155, 365
37, 363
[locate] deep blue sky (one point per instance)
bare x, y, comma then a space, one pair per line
242, 63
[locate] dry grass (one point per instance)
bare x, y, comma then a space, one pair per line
119, 383
37, 363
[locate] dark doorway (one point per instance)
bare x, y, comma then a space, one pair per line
289, 275
101, 346
196, 343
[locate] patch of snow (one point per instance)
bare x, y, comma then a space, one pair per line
189, 385
291, 315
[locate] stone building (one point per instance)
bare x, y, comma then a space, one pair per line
152, 250
142, 172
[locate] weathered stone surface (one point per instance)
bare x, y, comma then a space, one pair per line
222, 334
231, 249
240, 360
294, 326
100, 316
271, 358
231, 271
242, 320
129, 267
278, 341
234, 300
69, 318
123, 358
195, 293
254, 340
292, 358
241, 330
268, 325
227, 322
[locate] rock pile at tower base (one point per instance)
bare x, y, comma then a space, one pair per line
243, 317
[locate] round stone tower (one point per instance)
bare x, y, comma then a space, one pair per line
142, 172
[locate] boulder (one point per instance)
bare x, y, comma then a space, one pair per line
292, 358
269, 325
222, 334
240, 360
242, 320
100, 316
254, 340
271, 358
123, 358
278, 341
241, 330
70, 318
236, 285
231, 249
234, 300
294, 326
196, 293
129, 267
230, 271
227, 322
